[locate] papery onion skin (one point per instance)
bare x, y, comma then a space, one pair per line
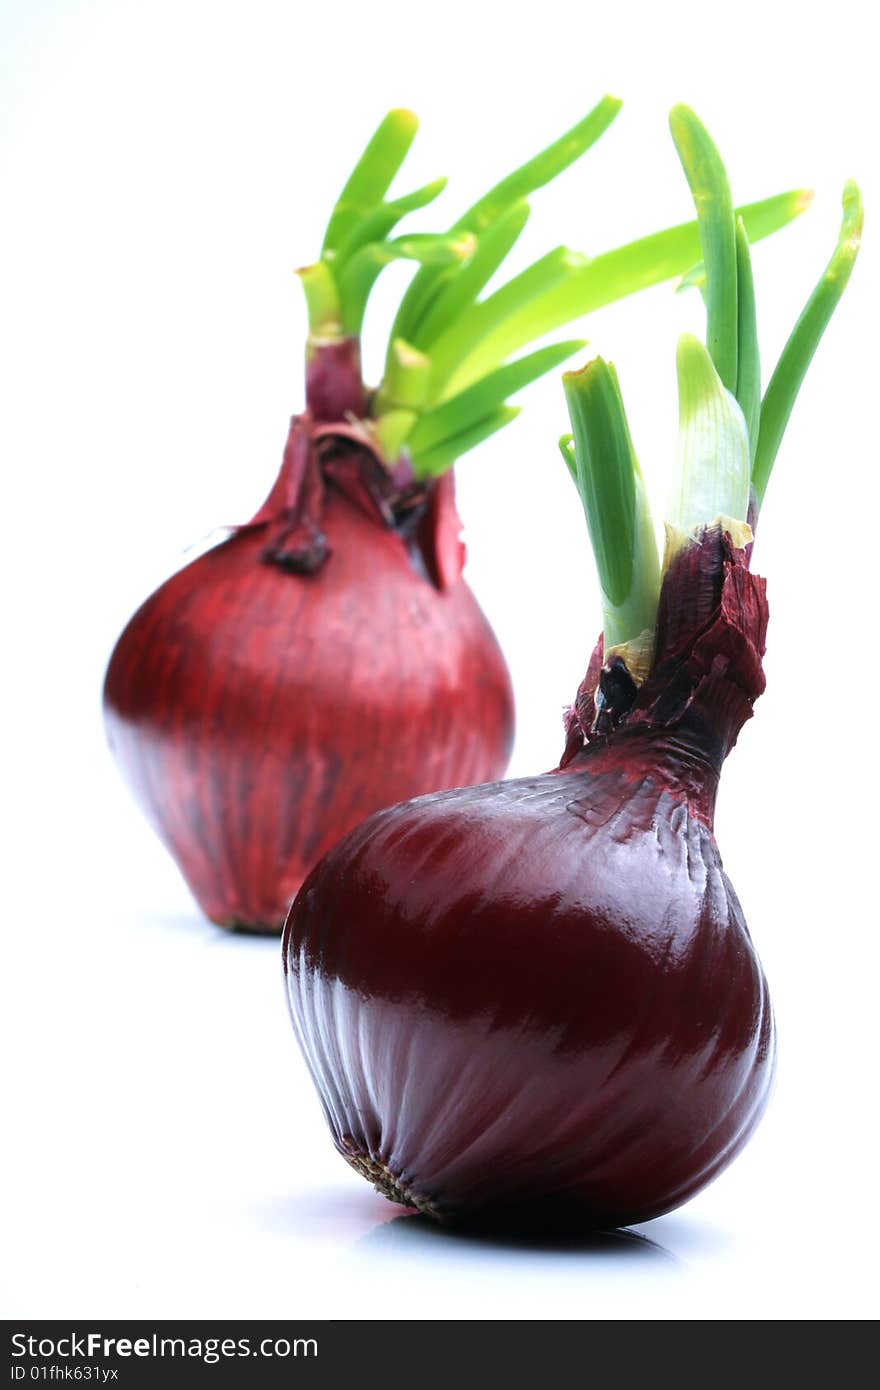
259, 714
540, 997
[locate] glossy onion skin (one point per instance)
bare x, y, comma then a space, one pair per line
539, 992
259, 714
540, 998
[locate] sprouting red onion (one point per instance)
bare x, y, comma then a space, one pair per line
324, 661
541, 995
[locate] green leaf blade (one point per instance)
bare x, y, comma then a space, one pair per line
362, 271
441, 458
609, 482
748, 357
381, 221
535, 173
372, 176
566, 449
707, 180
543, 167
453, 353
472, 405
458, 291
806, 335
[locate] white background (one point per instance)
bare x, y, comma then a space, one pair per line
165, 166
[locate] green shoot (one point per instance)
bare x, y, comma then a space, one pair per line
543, 168
322, 300
372, 176
360, 274
406, 380
534, 174
438, 460
458, 290
798, 352
714, 462
400, 397
446, 421
711, 194
603, 464
378, 224
748, 357
452, 349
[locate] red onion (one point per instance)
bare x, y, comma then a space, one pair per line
543, 991
328, 658
259, 715
540, 997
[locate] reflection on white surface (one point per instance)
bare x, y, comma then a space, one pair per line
528, 1276
408, 1266
414, 1235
